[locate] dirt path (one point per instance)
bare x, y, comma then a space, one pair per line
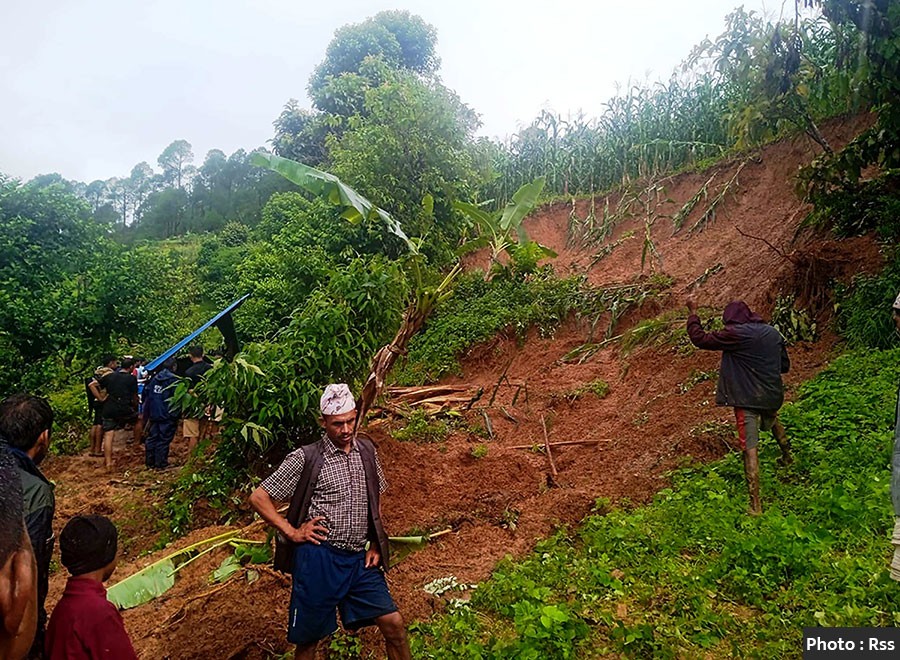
658, 414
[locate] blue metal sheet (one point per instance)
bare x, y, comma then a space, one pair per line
156, 362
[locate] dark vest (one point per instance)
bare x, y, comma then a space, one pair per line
312, 465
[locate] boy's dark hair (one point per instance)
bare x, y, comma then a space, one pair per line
12, 525
87, 543
127, 364
23, 418
170, 363
196, 351
106, 359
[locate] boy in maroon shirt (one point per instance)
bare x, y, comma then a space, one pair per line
85, 625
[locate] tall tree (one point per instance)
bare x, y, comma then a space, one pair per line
399, 39
173, 161
141, 184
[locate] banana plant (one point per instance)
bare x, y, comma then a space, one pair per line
502, 231
357, 208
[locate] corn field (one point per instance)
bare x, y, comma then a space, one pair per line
753, 83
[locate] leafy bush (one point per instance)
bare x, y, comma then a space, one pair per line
420, 427
270, 391
479, 310
864, 307
71, 420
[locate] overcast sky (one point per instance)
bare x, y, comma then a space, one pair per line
92, 87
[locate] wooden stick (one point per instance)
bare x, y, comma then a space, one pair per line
560, 444
547, 445
487, 424
500, 380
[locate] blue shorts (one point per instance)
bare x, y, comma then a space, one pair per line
328, 579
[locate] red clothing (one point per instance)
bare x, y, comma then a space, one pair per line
86, 626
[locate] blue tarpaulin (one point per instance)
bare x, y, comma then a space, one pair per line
222, 320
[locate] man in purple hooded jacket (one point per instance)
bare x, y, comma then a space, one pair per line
753, 359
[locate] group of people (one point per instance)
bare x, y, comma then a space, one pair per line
84, 624
332, 539
335, 542
128, 404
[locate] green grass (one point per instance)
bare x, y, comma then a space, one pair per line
691, 574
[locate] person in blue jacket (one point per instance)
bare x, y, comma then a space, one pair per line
753, 358
160, 418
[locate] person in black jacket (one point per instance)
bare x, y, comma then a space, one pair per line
753, 358
25, 423
18, 577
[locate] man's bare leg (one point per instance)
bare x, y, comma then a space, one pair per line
96, 440
306, 652
108, 449
783, 442
751, 471
394, 632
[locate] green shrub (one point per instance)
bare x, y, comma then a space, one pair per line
71, 420
864, 307
421, 427
479, 310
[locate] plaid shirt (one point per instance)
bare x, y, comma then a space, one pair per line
339, 494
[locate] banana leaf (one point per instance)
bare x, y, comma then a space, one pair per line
143, 586
356, 208
157, 578
229, 566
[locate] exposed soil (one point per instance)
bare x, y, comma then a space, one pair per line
655, 418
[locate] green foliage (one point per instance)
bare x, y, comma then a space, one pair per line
503, 231
479, 310
402, 41
71, 419
859, 208
421, 427
270, 392
833, 182
67, 293
692, 574
479, 451
864, 307
411, 142
793, 324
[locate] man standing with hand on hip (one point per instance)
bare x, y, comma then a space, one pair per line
340, 549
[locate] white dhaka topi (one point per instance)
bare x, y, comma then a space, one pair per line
337, 400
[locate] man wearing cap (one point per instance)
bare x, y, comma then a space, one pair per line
84, 624
753, 358
895, 467
340, 547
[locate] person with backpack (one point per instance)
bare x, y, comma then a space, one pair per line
337, 548
753, 358
160, 417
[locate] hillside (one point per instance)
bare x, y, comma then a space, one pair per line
658, 413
